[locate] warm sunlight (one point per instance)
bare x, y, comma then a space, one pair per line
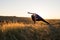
49, 9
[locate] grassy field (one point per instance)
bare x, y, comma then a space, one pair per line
24, 29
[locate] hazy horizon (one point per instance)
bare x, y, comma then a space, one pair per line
47, 9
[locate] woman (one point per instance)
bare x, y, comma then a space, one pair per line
35, 17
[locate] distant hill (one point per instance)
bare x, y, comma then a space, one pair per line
14, 19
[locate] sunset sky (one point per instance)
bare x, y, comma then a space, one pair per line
48, 9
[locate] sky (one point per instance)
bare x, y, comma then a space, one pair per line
47, 9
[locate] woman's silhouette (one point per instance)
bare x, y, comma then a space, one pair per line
35, 17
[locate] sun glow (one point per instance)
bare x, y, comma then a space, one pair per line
48, 9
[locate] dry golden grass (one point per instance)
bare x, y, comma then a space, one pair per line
19, 25
30, 31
